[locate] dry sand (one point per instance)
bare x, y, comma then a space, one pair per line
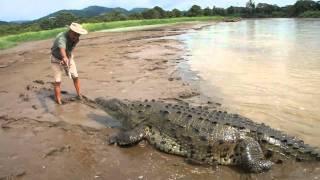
42, 140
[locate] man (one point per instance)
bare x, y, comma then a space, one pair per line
62, 58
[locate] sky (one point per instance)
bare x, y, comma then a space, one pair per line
12, 10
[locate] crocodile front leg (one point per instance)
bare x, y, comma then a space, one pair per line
127, 138
250, 156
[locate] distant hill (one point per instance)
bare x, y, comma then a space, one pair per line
3, 23
138, 10
20, 22
87, 12
92, 11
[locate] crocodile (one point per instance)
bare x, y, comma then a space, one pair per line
204, 136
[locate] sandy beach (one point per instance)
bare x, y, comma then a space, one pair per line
42, 140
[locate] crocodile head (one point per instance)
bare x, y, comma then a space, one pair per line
114, 107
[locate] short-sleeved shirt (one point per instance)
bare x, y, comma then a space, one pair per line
62, 41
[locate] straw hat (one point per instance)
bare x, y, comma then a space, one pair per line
75, 27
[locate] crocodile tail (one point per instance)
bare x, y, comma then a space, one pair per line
278, 146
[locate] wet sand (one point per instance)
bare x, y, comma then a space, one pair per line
42, 140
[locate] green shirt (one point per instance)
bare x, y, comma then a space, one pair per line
62, 41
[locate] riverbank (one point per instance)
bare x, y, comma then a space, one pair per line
41, 140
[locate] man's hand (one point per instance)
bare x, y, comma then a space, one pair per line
64, 61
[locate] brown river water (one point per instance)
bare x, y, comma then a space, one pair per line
267, 70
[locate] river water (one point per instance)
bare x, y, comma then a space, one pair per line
267, 70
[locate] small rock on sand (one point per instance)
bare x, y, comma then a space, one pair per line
39, 81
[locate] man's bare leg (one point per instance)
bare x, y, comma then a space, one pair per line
57, 92
76, 83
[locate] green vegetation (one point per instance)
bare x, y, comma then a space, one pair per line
131, 23
264, 10
12, 40
310, 14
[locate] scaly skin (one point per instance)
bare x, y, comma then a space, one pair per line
203, 136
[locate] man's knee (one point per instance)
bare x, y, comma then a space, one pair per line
75, 78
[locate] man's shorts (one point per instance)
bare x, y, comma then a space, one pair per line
58, 69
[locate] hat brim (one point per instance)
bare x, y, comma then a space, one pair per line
78, 30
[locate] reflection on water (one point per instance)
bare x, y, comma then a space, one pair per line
267, 70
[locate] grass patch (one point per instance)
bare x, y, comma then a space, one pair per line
12, 40
310, 14
6, 44
131, 23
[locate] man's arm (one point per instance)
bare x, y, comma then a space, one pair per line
64, 56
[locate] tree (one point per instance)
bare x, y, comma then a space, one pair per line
250, 7
218, 11
115, 16
266, 9
288, 10
230, 10
48, 23
176, 13
136, 16
60, 20
250, 4
151, 14
195, 10
303, 5
161, 12
63, 19
207, 11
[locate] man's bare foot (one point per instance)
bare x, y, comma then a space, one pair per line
59, 101
79, 97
